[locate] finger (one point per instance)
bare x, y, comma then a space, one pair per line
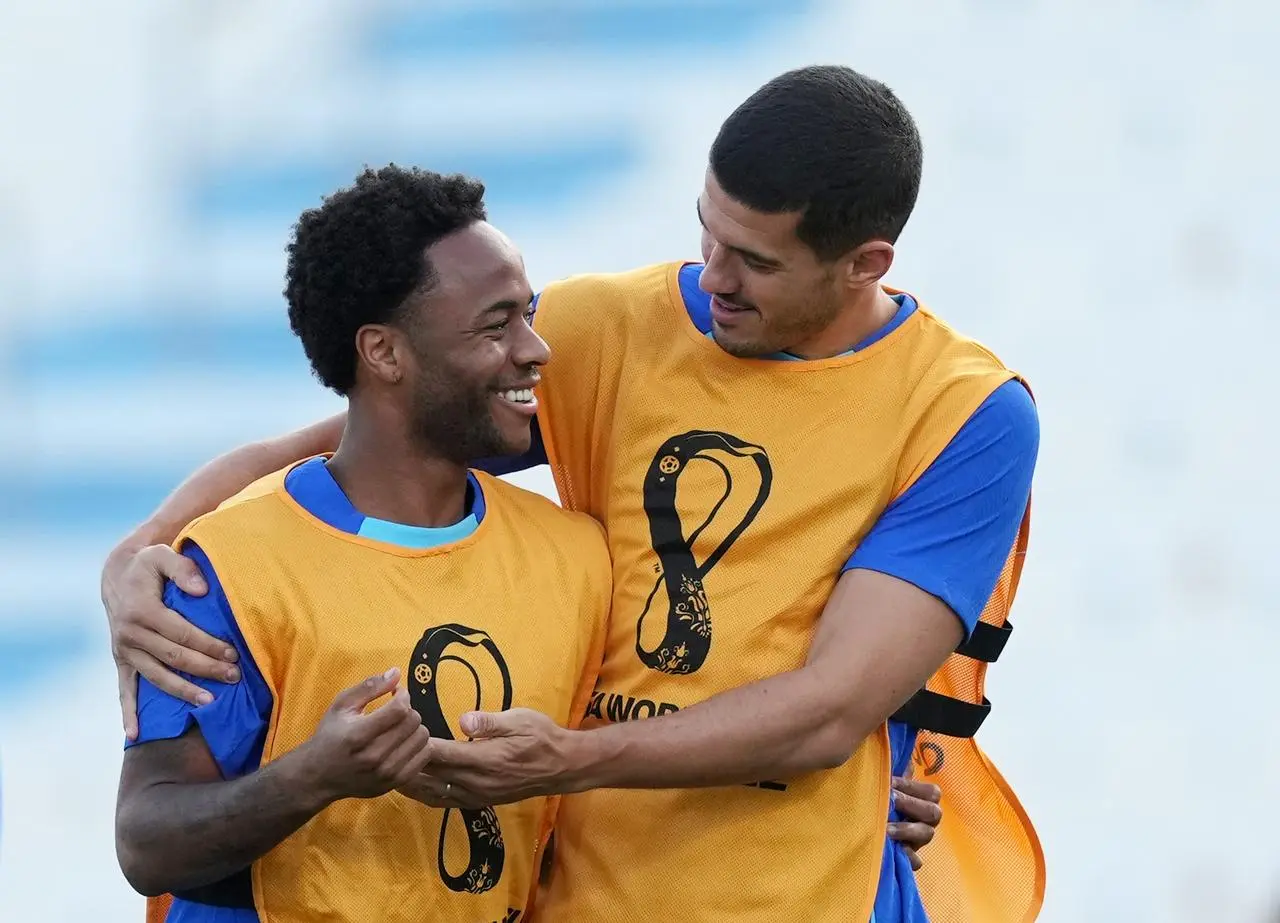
167, 681
357, 697
427, 793
424, 786
917, 809
171, 565
422, 797
207, 650
438, 793
926, 790
912, 835
411, 756
914, 858
127, 678
144, 643
481, 724
456, 755
380, 732
463, 797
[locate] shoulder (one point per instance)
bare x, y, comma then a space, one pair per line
597, 291
244, 513
567, 528
211, 612
968, 356
1005, 426
995, 448
267, 486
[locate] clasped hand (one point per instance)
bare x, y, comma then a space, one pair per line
508, 756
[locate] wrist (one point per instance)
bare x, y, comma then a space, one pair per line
587, 758
304, 784
148, 533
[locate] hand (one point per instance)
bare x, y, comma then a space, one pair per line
150, 639
359, 754
437, 793
921, 803
512, 755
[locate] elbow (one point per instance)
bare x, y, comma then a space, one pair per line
833, 750
140, 871
832, 743
143, 868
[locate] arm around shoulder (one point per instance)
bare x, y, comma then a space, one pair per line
146, 637
227, 475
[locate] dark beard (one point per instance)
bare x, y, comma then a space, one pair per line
457, 426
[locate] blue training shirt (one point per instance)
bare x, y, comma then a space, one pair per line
234, 725
948, 534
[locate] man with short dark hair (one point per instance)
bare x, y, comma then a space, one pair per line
334, 578
816, 497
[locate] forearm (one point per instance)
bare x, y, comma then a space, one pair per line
780, 727
227, 475
877, 643
173, 836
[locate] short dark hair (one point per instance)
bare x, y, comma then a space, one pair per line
359, 256
828, 142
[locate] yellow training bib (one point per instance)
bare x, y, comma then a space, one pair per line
511, 616
732, 491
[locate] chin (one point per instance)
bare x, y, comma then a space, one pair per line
511, 440
742, 349
517, 446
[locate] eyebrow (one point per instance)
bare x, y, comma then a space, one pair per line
760, 258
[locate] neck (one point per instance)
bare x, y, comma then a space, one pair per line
866, 313
387, 475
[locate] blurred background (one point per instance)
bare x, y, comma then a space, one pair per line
1100, 205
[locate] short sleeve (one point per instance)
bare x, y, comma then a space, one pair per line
950, 533
234, 724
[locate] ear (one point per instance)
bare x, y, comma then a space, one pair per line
382, 351
868, 264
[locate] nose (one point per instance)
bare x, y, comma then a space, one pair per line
529, 349
717, 277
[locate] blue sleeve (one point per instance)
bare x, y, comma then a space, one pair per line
234, 724
537, 454
951, 531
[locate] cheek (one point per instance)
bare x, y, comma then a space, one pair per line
489, 362
771, 297
465, 371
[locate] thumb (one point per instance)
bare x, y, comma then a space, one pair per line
362, 693
180, 569
481, 724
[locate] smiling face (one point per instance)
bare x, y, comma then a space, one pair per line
770, 292
474, 358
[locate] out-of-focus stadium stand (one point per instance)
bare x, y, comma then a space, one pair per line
1099, 205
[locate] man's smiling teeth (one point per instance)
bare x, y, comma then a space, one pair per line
523, 396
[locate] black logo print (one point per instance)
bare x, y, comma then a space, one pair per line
687, 639
929, 757
485, 848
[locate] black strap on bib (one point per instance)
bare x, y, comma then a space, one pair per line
987, 642
942, 714
931, 711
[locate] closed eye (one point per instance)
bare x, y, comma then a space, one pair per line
754, 264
